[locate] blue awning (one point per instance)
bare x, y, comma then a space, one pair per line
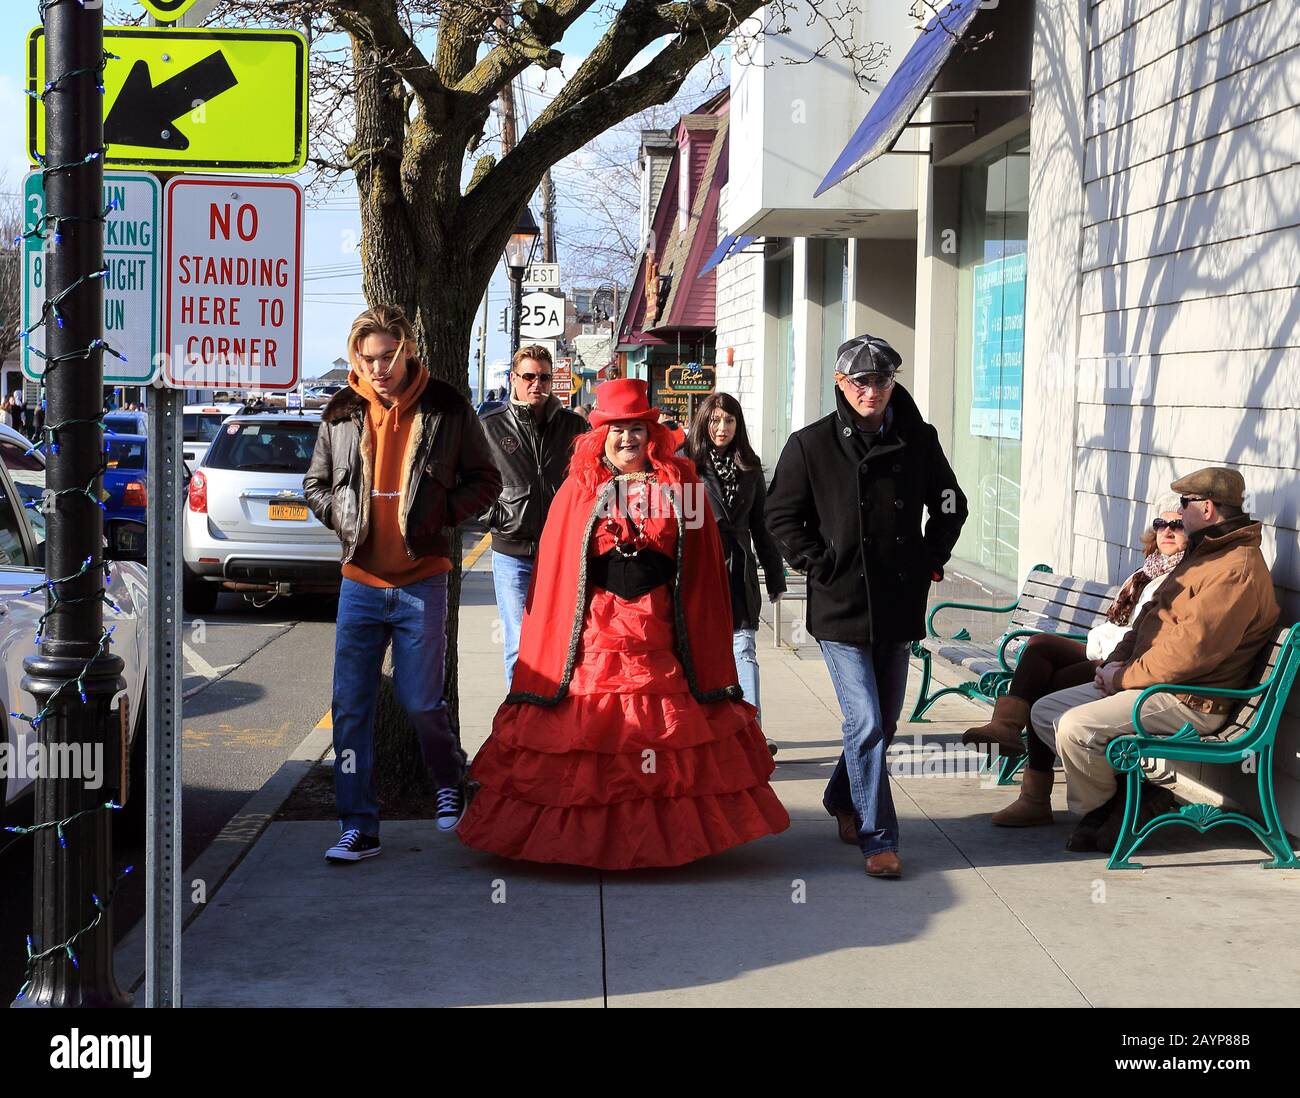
730, 245
719, 254
903, 94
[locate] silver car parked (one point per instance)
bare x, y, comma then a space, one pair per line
22, 566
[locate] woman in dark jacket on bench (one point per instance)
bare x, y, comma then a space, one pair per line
733, 478
1049, 663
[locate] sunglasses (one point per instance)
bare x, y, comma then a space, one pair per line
880, 382
530, 378
1176, 525
1183, 501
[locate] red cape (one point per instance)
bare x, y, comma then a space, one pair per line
557, 598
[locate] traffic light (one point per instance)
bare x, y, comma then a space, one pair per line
504, 324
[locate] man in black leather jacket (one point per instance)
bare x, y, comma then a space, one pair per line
531, 437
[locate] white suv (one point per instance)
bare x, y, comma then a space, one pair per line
247, 525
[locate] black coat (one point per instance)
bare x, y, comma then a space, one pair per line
743, 527
853, 522
533, 465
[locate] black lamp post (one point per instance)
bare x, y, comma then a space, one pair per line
519, 253
74, 678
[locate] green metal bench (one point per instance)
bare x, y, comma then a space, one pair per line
1250, 734
1062, 605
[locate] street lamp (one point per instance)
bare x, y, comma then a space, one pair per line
519, 253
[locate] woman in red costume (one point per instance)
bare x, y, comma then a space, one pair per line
624, 741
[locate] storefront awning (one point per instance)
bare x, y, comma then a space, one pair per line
730, 245
902, 95
719, 254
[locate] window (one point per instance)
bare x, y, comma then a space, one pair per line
27, 471
126, 453
196, 427
275, 446
990, 349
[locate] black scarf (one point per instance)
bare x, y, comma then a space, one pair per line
724, 464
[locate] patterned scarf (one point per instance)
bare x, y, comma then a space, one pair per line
724, 464
1156, 564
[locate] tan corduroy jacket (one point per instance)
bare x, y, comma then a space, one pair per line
1209, 620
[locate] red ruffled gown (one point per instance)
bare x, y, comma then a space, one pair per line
627, 769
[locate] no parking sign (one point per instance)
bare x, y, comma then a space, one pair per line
233, 261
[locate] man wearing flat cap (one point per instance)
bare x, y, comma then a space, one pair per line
846, 507
1205, 626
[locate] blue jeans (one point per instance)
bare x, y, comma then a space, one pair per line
742, 646
869, 682
414, 618
510, 577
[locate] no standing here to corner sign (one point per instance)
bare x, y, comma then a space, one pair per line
233, 285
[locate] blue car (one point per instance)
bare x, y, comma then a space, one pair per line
124, 479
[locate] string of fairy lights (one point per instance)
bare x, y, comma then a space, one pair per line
49, 229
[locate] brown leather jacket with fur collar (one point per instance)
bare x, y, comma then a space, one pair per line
448, 477
1209, 619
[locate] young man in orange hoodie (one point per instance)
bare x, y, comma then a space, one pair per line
400, 461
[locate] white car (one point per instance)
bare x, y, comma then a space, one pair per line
199, 426
247, 526
22, 556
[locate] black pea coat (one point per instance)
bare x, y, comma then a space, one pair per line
850, 516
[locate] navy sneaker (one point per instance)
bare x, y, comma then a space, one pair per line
451, 808
353, 846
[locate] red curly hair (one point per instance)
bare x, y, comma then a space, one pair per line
588, 468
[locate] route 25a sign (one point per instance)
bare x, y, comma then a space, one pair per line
541, 315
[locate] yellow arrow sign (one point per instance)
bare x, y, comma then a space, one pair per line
168, 10
194, 100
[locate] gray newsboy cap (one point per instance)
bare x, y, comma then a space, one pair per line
867, 354
1214, 482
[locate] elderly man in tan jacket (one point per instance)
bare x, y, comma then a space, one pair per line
1205, 626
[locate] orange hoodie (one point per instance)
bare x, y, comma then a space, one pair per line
381, 560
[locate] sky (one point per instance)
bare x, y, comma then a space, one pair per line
330, 299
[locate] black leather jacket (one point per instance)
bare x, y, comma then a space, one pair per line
533, 465
449, 475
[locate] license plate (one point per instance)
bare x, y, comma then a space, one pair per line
295, 512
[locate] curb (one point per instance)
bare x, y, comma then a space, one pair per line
234, 841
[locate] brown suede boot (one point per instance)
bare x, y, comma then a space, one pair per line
1033, 806
1010, 718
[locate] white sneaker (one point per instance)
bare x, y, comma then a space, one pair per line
353, 846
451, 808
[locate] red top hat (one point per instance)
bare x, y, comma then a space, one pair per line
625, 398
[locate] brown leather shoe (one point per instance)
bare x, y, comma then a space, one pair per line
848, 825
884, 864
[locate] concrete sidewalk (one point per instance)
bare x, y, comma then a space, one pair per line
985, 916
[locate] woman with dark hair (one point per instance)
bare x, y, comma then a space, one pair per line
733, 477
624, 741
1049, 663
